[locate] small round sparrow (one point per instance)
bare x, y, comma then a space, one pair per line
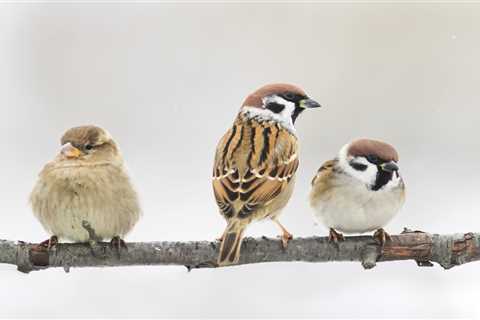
256, 161
86, 187
359, 191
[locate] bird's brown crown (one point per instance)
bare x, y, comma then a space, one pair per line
255, 99
365, 147
85, 135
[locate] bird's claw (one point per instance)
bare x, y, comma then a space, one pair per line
382, 236
118, 244
286, 236
334, 236
50, 243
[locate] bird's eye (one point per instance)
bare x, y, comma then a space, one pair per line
88, 147
373, 158
289, 96
358, 166
275, 107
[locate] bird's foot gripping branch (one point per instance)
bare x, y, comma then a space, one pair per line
424, 248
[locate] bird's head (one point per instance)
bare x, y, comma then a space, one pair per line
88, 143
375, 163
278, 102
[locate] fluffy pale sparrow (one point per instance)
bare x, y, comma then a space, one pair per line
359, 191
86, 185
256, 161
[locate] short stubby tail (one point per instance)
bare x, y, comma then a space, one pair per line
231, 243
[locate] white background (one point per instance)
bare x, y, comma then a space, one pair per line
167, 81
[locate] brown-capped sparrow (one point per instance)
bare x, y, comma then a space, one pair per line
86, 186
256, 161
359, 191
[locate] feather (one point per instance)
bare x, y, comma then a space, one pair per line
254, 163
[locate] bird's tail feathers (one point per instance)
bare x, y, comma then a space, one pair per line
231, 243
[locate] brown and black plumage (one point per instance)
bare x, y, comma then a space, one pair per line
255, 163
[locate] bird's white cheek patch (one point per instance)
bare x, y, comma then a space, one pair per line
367, 176
289, 107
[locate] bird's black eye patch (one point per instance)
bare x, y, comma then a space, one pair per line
292, 97
88, 147
358, 166
275, 107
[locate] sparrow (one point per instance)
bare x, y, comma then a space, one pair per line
359, 191
255, 163
86, 187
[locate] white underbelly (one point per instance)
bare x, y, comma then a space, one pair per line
357, 211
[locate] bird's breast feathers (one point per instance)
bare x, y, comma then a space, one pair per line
67, 194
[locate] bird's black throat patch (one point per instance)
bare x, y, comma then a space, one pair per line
296, 113
383, 177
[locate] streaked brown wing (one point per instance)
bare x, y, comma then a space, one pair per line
323, 171
261, 190
322, 184
254, 163
225, 181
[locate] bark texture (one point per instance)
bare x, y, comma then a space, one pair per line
424, 248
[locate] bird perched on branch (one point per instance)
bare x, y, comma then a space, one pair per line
86, 187
359, 191
256, 161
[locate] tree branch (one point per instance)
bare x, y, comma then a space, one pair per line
446, 250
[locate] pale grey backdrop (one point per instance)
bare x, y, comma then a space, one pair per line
167, 81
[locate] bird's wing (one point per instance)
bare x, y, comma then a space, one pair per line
322, 181
254, 164
324, 172
225, 175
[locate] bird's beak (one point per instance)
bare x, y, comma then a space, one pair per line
389, 166
309, 103
70, 152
